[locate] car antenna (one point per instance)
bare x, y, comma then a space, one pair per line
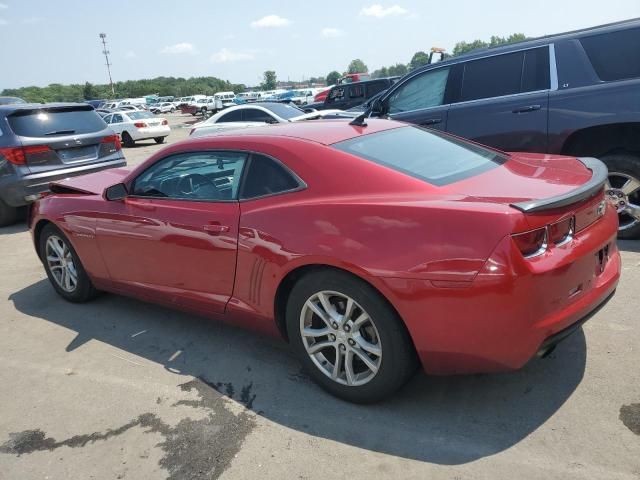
361, 120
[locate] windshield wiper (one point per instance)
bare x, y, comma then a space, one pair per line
60, 132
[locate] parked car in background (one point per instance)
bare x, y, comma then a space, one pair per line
354, 77
162, 107
41, 143
575, 93
135, 126
11, 100
349, 95
94, 103
322, 95
104, 111
450, 255
258, 114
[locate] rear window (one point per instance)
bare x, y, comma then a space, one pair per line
424, 154
614, 56
49, 122
284, 111
140, 115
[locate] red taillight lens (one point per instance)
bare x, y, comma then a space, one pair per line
531, 243
562, 231
18, 155
165, 122
115, 139
140, 125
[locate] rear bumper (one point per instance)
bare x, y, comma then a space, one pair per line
16, 191
150, 132
513, 309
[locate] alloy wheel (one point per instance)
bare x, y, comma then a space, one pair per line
340, 338
623, 191
61, 265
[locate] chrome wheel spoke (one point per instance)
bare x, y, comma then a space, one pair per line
633, 210
326, 305
348, 368
365, 359
368, 346
361, 320
338, 365
630, 186
60, 264
316, 347
318, 311
315, 332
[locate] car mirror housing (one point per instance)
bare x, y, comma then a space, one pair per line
116, 192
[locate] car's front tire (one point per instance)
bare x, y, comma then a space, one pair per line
63, 266
349, 339
159, 140
8, 214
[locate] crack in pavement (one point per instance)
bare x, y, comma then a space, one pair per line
194, 449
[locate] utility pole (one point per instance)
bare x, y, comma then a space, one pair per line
103, 37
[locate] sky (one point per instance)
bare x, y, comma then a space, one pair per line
57, 41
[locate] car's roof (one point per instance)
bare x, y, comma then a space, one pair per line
326, 132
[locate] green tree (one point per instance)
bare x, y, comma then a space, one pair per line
270, 80
88, 92
357, 66
380, 73
332, 77
398, 69
494, 41
419, 59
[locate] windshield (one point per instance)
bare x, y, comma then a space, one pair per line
284, 111
425, 154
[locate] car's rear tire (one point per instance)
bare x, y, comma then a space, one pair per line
172, 110
127, 141
159, 140
362, 355
8, 214
624, 180
63, 266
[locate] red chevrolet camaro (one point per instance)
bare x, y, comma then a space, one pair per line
370, 248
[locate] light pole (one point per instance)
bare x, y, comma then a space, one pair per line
103, 37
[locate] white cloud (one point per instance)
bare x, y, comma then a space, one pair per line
31, 20
271, 21
225, 55
3, 6
379, 11
330, 32
179, 49
130, 54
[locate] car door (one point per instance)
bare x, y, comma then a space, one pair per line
257, 116
117, 123
503, 101
421, 99
174, 237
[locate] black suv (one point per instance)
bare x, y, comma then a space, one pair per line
41, 143
349, 95
575, 93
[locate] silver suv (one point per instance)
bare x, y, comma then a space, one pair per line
42, 143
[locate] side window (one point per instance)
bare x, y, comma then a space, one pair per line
614, 56
107, 119
535, 71
265, 177
424, 91
235, 116
116, 119
492, 77
204, 176
375, 87
356, 91
256, 115
336, 95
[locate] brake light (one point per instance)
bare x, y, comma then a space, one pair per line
140, 125
18, 155
115, 139
561, 232
165, 122
532, 243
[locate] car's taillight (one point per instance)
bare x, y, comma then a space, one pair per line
18, 155
532, 243
165, 122
561, 232
115, 139
140, 125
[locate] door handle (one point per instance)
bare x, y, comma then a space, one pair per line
431, 121
215, 229
528, 108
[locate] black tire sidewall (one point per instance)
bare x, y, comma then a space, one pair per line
398, 356
84, 290
629, 164
8, 214
127, 140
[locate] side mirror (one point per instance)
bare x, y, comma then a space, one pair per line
116, 192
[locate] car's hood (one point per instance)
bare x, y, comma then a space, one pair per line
93, 183
525, 177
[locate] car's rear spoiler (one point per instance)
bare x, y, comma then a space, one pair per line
598, 180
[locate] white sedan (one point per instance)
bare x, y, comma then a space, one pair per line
134, 126
258, 114
164, 107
